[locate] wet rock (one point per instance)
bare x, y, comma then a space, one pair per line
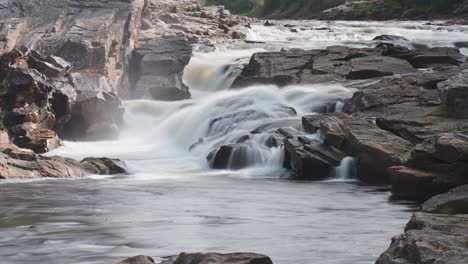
310, 159
375, 149
453, 202
430, 238
15, 163
104, 166
311, 123
234, 156
454, 95
157, 69
216, 258
138, 260
390, 38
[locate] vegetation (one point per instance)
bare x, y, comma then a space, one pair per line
266, 7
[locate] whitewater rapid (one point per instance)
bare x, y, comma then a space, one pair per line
174, 137
172, 202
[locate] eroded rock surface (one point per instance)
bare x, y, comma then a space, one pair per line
15, 163
42, 100
430, 238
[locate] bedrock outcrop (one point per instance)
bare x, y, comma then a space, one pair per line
404, 124
430, 238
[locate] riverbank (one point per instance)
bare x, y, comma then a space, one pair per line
195, 99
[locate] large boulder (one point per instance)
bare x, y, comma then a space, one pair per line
430, 238
453, 202
375, 149
310, 159
454, 95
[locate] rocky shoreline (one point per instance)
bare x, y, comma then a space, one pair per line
64, 73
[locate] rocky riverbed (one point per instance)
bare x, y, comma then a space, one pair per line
174, 89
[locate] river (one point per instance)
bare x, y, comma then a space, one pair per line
172, 201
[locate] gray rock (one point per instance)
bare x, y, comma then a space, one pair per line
430, 238
216, 258
15, 163
315, 66
454, 95
453, 202
309, 159
138, 260
375, 149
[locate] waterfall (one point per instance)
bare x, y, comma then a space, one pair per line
346, 170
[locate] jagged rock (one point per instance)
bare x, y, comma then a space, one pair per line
454, 95
453, 202
430, 238
436, 165
375, 149
157, 69
39, 140
104, 166
94, 36
16, 163
309, 159
315, 66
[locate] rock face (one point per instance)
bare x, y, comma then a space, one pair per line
204, 258
430, 238
157, 68
94, 36
16, 163
41, 98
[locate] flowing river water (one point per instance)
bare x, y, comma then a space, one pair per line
172, 202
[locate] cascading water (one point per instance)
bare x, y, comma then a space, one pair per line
346, 171
172, 202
